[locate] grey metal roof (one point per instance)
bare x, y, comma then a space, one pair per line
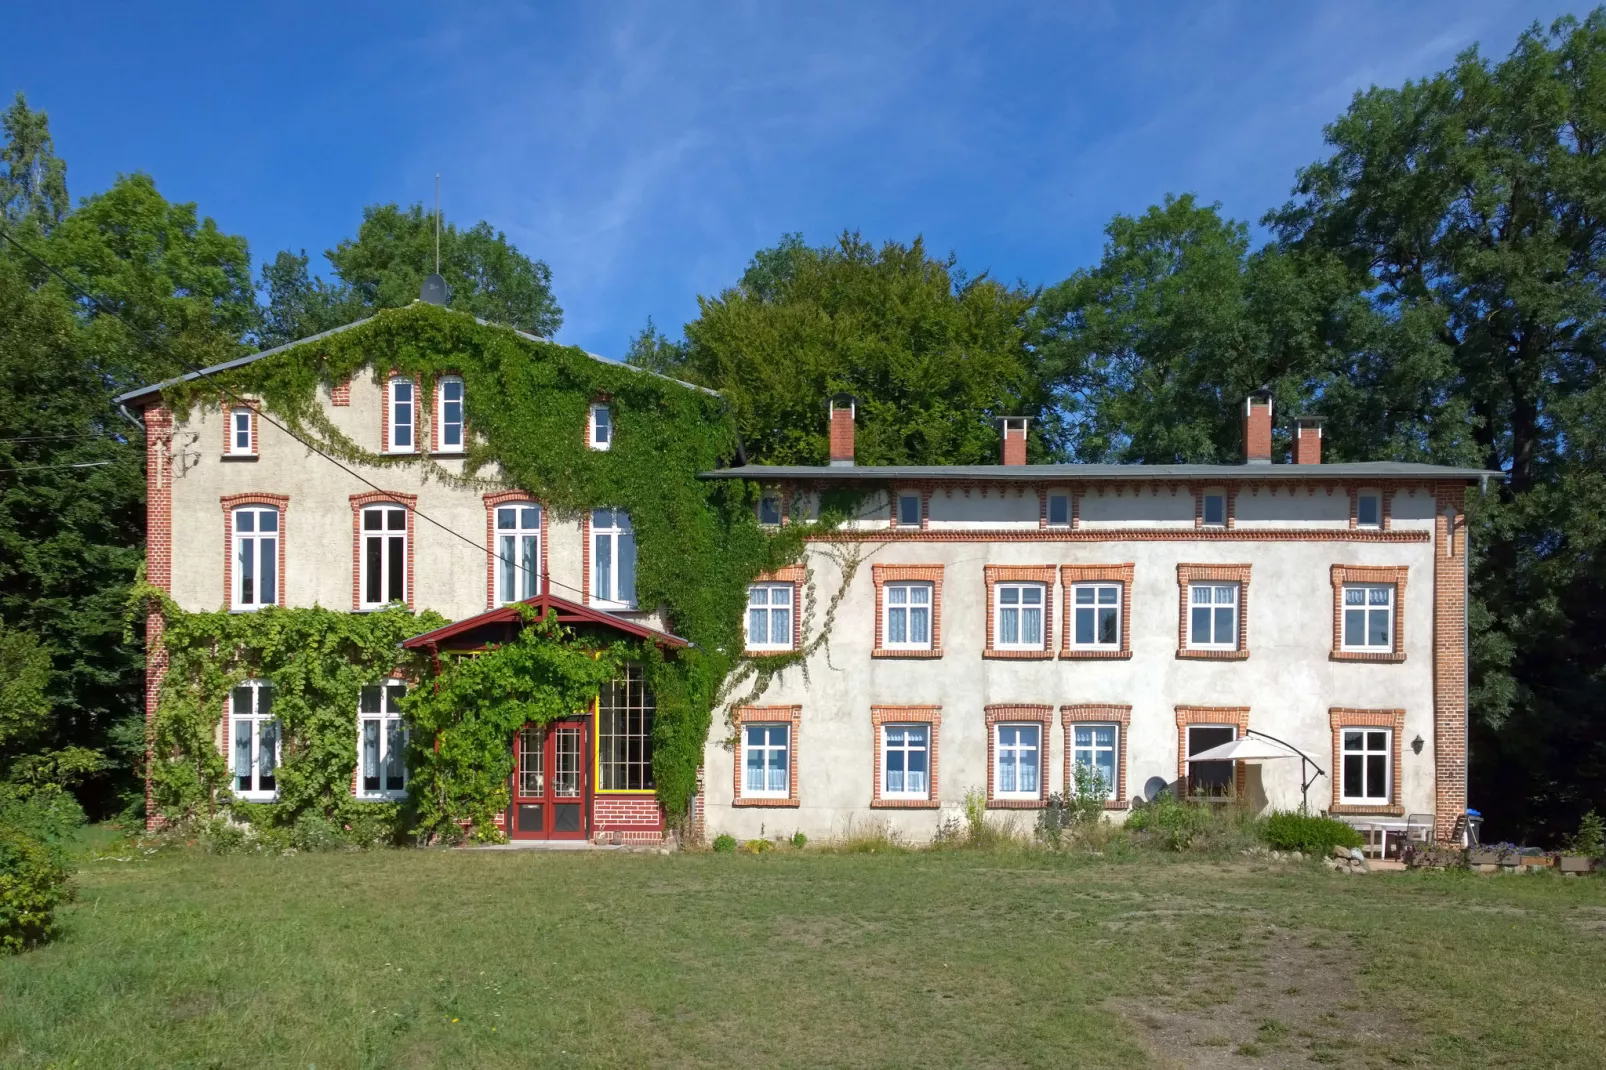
142, 392
1043, 473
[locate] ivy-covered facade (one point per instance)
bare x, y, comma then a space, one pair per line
426, 577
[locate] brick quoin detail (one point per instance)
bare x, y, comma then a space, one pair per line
1043, 574
158, 573
340, 394
231, 502
379, 497
1237, 716
794, 575
228, 428
792, 715
1375, 574
1093, 713
885, 715
1018, 713
585, 554
1449, 658
1340, 718
883, 574
699, 816
509, 497
1238, 574
1074, 574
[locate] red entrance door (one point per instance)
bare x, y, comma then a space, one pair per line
550, 787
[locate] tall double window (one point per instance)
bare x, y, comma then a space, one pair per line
769, 616
518, 552
403, 416
241, 432
381, 741
255, 557
449, 406
1018, 616
383, 556
253, 741
613, 559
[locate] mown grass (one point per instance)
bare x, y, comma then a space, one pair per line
958, 959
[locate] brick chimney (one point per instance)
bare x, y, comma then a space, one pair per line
1014, 444
842, 408
1308, 440
1257, 428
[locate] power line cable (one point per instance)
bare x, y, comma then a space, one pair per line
64, 438
47, 467
5, 232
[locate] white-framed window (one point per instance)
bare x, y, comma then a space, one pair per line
449, 421
381, 741
769, 509
1215, 509
1369, 509
1094, 750
908, 510
240, 444
1368, 753
403, 416
518, 552
766, 760
906, 611
613, 558
256, 557
1096, 616
253, 741
1213, 616
599, 430
1017, 764
769, 616
905, 761
1369, 617
383, 562
1018, 616
1059, 510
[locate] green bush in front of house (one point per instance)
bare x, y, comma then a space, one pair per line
33, 882
1291, 830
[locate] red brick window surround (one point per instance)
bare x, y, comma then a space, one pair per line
232, 598
760, 730
1043, 575
1203, 507
1086, 593
340, 394
1354, 742
395, 388
497, 539
1210, 577
1004, 743
240, 439
1361, 597
883, 718
907, 500
1059, 507
1235, 717
1373, 515
1097, 714
360, 503
910, 583
789, 577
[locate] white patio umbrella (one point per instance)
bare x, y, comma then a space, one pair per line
1258, 747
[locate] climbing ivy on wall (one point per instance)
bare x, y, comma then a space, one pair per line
526, 403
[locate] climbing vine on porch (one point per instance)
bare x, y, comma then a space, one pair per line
526, 403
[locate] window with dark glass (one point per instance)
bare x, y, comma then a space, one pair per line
382, 740
384, 555
625, 709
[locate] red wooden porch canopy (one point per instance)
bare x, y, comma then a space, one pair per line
500, 625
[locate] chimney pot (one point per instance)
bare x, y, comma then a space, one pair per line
1014, 442
1257, 428
1308, 440
842, 408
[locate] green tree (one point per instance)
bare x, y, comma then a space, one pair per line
1471, 205
934, 357
299, 303
33, 189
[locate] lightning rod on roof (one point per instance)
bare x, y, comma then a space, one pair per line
434, 291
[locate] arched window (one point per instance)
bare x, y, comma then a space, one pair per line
518, 551
255, 557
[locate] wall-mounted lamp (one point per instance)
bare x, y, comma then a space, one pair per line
1416, 744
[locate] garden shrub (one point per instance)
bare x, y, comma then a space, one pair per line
1170, 823
1591, 838
1291, 830
33, 882
53, 817
724, 842
799, 840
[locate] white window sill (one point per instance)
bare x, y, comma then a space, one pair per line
1037, 649
887, 796
906, 647
770, 649
257, 796
450, 451
613, 607
1028, 797
1212, 648
381, 796
399, 450
764, 795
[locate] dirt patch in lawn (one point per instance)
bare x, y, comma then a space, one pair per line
1588, 920
1275, 997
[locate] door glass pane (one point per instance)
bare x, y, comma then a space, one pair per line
395, 755
270, 565
398, 569
267, 755
566, 763
532, 745
242, 754
370, 755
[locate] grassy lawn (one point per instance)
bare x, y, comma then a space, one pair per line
516, 959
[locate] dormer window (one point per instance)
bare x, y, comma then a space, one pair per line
600, 433
1369, 509
1215, 509
908, 511
449, 403
1059, 510
403, 410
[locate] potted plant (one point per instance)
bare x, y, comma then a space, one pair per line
1493, 854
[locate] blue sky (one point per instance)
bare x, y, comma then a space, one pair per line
645, 151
